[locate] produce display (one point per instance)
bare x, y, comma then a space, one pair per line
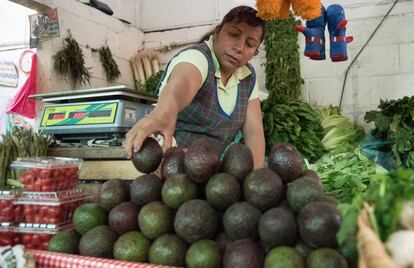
201, 216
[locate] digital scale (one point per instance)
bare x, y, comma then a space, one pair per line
93, 114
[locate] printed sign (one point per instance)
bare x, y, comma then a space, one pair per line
43, 26
8, 74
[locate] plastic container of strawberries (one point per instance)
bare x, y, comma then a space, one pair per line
50, 207
48, 174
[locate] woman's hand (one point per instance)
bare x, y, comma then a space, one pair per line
153, 123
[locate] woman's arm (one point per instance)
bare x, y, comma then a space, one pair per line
253, 132
182, 86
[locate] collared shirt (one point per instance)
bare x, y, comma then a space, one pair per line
227, 95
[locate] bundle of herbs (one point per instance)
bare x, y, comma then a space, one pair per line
70, 62
109, 64
288, 120
151, 84
394, 121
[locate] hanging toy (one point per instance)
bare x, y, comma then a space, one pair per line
314, 33
337, 32
279, 9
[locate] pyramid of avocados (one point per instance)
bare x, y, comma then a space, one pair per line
124, 218
155, 219
238, 161
149, 156
177, 190
168, 249
286, 161
222, 190
203, 253
241, 220
302, 192
326, 258
202, 160
112, 193
243, 253
195, 220
173, 162
277, 227
88, 216
132, 246
262, 188
98, 242
318, 224
284, 257
146, 189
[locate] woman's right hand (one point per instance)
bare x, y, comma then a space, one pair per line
151, 124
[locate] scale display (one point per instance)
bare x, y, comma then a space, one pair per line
88, 114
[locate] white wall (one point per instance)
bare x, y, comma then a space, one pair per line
91, 29
385, 69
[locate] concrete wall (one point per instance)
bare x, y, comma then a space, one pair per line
92, 29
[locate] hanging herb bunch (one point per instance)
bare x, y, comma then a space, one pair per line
282, 58
111, 68
70, 62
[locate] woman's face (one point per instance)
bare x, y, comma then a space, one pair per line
235, 44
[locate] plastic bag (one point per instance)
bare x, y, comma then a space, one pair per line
378, 151
21, 104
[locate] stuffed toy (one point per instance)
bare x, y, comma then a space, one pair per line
314, 33
335, 17
279, 9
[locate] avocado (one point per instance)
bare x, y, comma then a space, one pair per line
243, 253
202, 160
155, 219
98, 242
124, 218
309, 173
132, 246
173, 162
149, 156
318, 224
203, 254
223, 241
177, 190
241, 220
302, 248
65, 242
286, 161
146, 189
112, 193
262, 188
302, 192
326, 258
331, 200
168, 249
284, 257
238, 161
222, 190
88, 216
277, 227
195, 220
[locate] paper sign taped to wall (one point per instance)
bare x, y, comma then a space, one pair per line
8, 74
43, 26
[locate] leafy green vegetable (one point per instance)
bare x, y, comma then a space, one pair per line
151, 84
395, 121
287, 120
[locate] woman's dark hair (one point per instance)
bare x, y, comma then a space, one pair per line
239, 14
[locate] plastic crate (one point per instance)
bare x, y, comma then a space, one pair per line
50, 207
9, 211
48, 174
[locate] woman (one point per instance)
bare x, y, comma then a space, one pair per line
210, 90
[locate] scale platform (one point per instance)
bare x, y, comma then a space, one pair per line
90, 114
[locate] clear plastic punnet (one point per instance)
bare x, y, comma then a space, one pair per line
48, 174
9, 211
50, 207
